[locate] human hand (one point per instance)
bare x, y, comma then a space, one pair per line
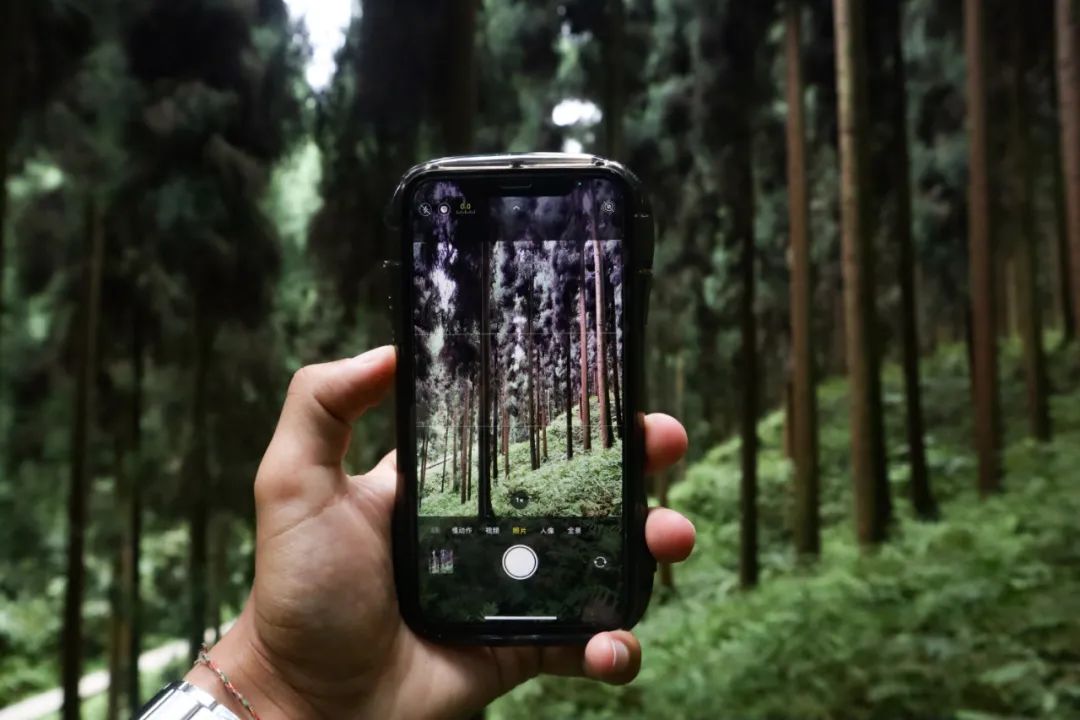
321, 635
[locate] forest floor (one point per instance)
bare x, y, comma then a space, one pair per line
588, 485
975, 616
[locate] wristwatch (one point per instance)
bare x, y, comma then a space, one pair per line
184, 701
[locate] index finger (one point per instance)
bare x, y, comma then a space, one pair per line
665, 442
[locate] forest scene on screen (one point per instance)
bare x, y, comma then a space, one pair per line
517, 315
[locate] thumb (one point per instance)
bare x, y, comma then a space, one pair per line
312, 435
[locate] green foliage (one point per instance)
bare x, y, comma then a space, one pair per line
977, 615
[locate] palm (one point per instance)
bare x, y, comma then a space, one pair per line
323, 617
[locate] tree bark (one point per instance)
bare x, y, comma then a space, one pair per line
586, 430
616, 393
495, 413
483, 495
534, 450
922, 497
569, 402
446, 439
198, 483
868, 466
803, 384
1061, 246
1068, 71
72, 645
460, 81
981, 259
1028, 314
454, 460
611, 48
133, 542
601, 354
423, 461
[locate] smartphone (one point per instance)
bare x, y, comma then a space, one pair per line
521, 302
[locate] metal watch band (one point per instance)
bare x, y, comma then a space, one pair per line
184, 701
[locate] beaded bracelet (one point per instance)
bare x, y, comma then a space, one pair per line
204, 659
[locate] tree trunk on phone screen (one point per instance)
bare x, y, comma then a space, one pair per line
423, 460
506, 442
131, 597
601, 354
81, 470
569, 402
868, 466
543, 430
495, 409
613, 344
584, 351
1068, 71
981, 259
1029, 309
483, 494
922, 497
469, 439
445, 461
802, 387
454, 462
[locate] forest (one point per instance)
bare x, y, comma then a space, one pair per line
864, 310
515, 335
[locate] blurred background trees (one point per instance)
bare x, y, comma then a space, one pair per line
865, 289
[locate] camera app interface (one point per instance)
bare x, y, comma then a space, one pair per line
517, 334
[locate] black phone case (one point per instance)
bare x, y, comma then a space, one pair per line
640, 566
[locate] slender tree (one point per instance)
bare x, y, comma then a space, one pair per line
981, 263
601, 353
867, 441
804, 384
899, 231
1028, 315
81, 469
583, 348
1068, 86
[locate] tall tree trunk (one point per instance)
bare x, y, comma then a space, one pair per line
534, 450
1061, 246
586, 430
445, 461
868, 465
613, 344
423, 461
611, 50
483, 495
569, 402
739, 202
981, 262
133, 541
464, 488
601, 354
803, 385
469, 441
81, 471
922, 497
543, 429
459, 82
454, 462
4, 151
506, 442
1068, 70
1028, 315
495, 412
198, 482
675, 473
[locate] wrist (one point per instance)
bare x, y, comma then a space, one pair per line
237, 655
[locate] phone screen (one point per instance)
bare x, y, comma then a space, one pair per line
520, 413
